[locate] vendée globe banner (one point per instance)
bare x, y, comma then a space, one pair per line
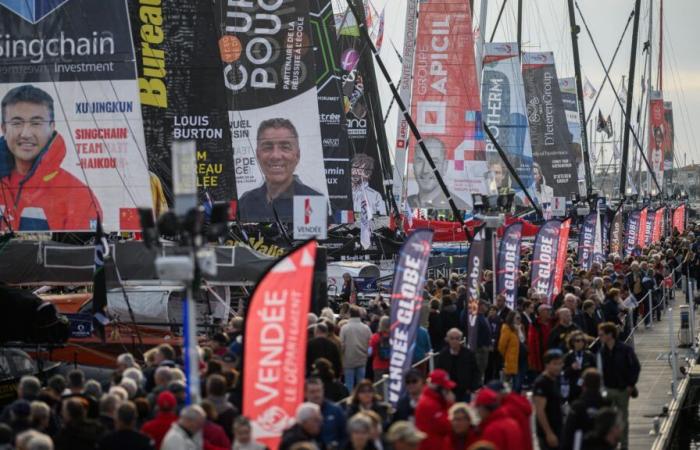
616, 230
632, 231
72, 145
642, 236
508, 268
275, 344
269, 75
649, 230
679, 218
406, 303
504, 111
586, 240
549, 257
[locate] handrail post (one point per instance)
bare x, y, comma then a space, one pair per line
692, 318
385, 387
673, 355
431, 361
651, 310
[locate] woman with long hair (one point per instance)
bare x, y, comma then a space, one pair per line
511, 345
364, 398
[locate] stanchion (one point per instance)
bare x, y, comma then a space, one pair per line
673, 355
431, 361
385, 387
651, 310
692, 318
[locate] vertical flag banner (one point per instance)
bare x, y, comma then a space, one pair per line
567, 86
275, 344
669, 146
562, 247
404, 88
546, 256
642, 237
632, 232
99, 282
406, 302
586, 240
503, 110
508, 268
182, 95
657, 134
357, 73
269, 76
649, 230
679, 218
475, 268
556, 156
69, 75
446, 107
616, 230
599, 240
656, 234
334, 133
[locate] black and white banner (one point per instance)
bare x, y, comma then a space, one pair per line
508, 269
475, 269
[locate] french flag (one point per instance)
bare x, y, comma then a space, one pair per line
344, 216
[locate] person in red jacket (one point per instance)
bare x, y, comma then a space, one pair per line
517, 407
537, 337
36, 194
213, 433
496, 425
160, 424
432, 409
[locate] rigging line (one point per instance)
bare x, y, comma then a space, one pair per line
498, 20
414, 129
607, 70
684, 108
612, 86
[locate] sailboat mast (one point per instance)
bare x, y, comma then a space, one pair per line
579, 94
630, 92
520, 29
649, 84
661, 46
484, 6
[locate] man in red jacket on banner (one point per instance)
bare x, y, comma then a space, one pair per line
36, 194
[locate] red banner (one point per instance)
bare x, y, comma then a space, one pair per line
679, 218
275, 345
641, 237
446, 106
658, 224
657, 135
561, 256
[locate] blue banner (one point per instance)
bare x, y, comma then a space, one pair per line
475, 267
406, 302
509, 263
544, 258
632, 232
586, 241
649, 230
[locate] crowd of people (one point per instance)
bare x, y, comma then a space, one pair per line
569, 353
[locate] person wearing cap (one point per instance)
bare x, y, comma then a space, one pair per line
403, 435
406, 406
548, 400
459, 362
157, 427
538, 336
515, 406
20, 416
496, 426
432, 410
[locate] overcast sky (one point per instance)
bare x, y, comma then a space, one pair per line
546, 28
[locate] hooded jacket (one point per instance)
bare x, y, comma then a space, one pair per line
47, 197
432, 418
502, 431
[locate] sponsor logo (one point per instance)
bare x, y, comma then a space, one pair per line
273, 420
33, 11
331, 118
307, 211
331, 142
534, 110
505, 48
349, 59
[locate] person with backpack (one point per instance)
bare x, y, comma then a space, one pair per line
380, 348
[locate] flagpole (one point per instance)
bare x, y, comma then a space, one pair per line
630, 92
484, 6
